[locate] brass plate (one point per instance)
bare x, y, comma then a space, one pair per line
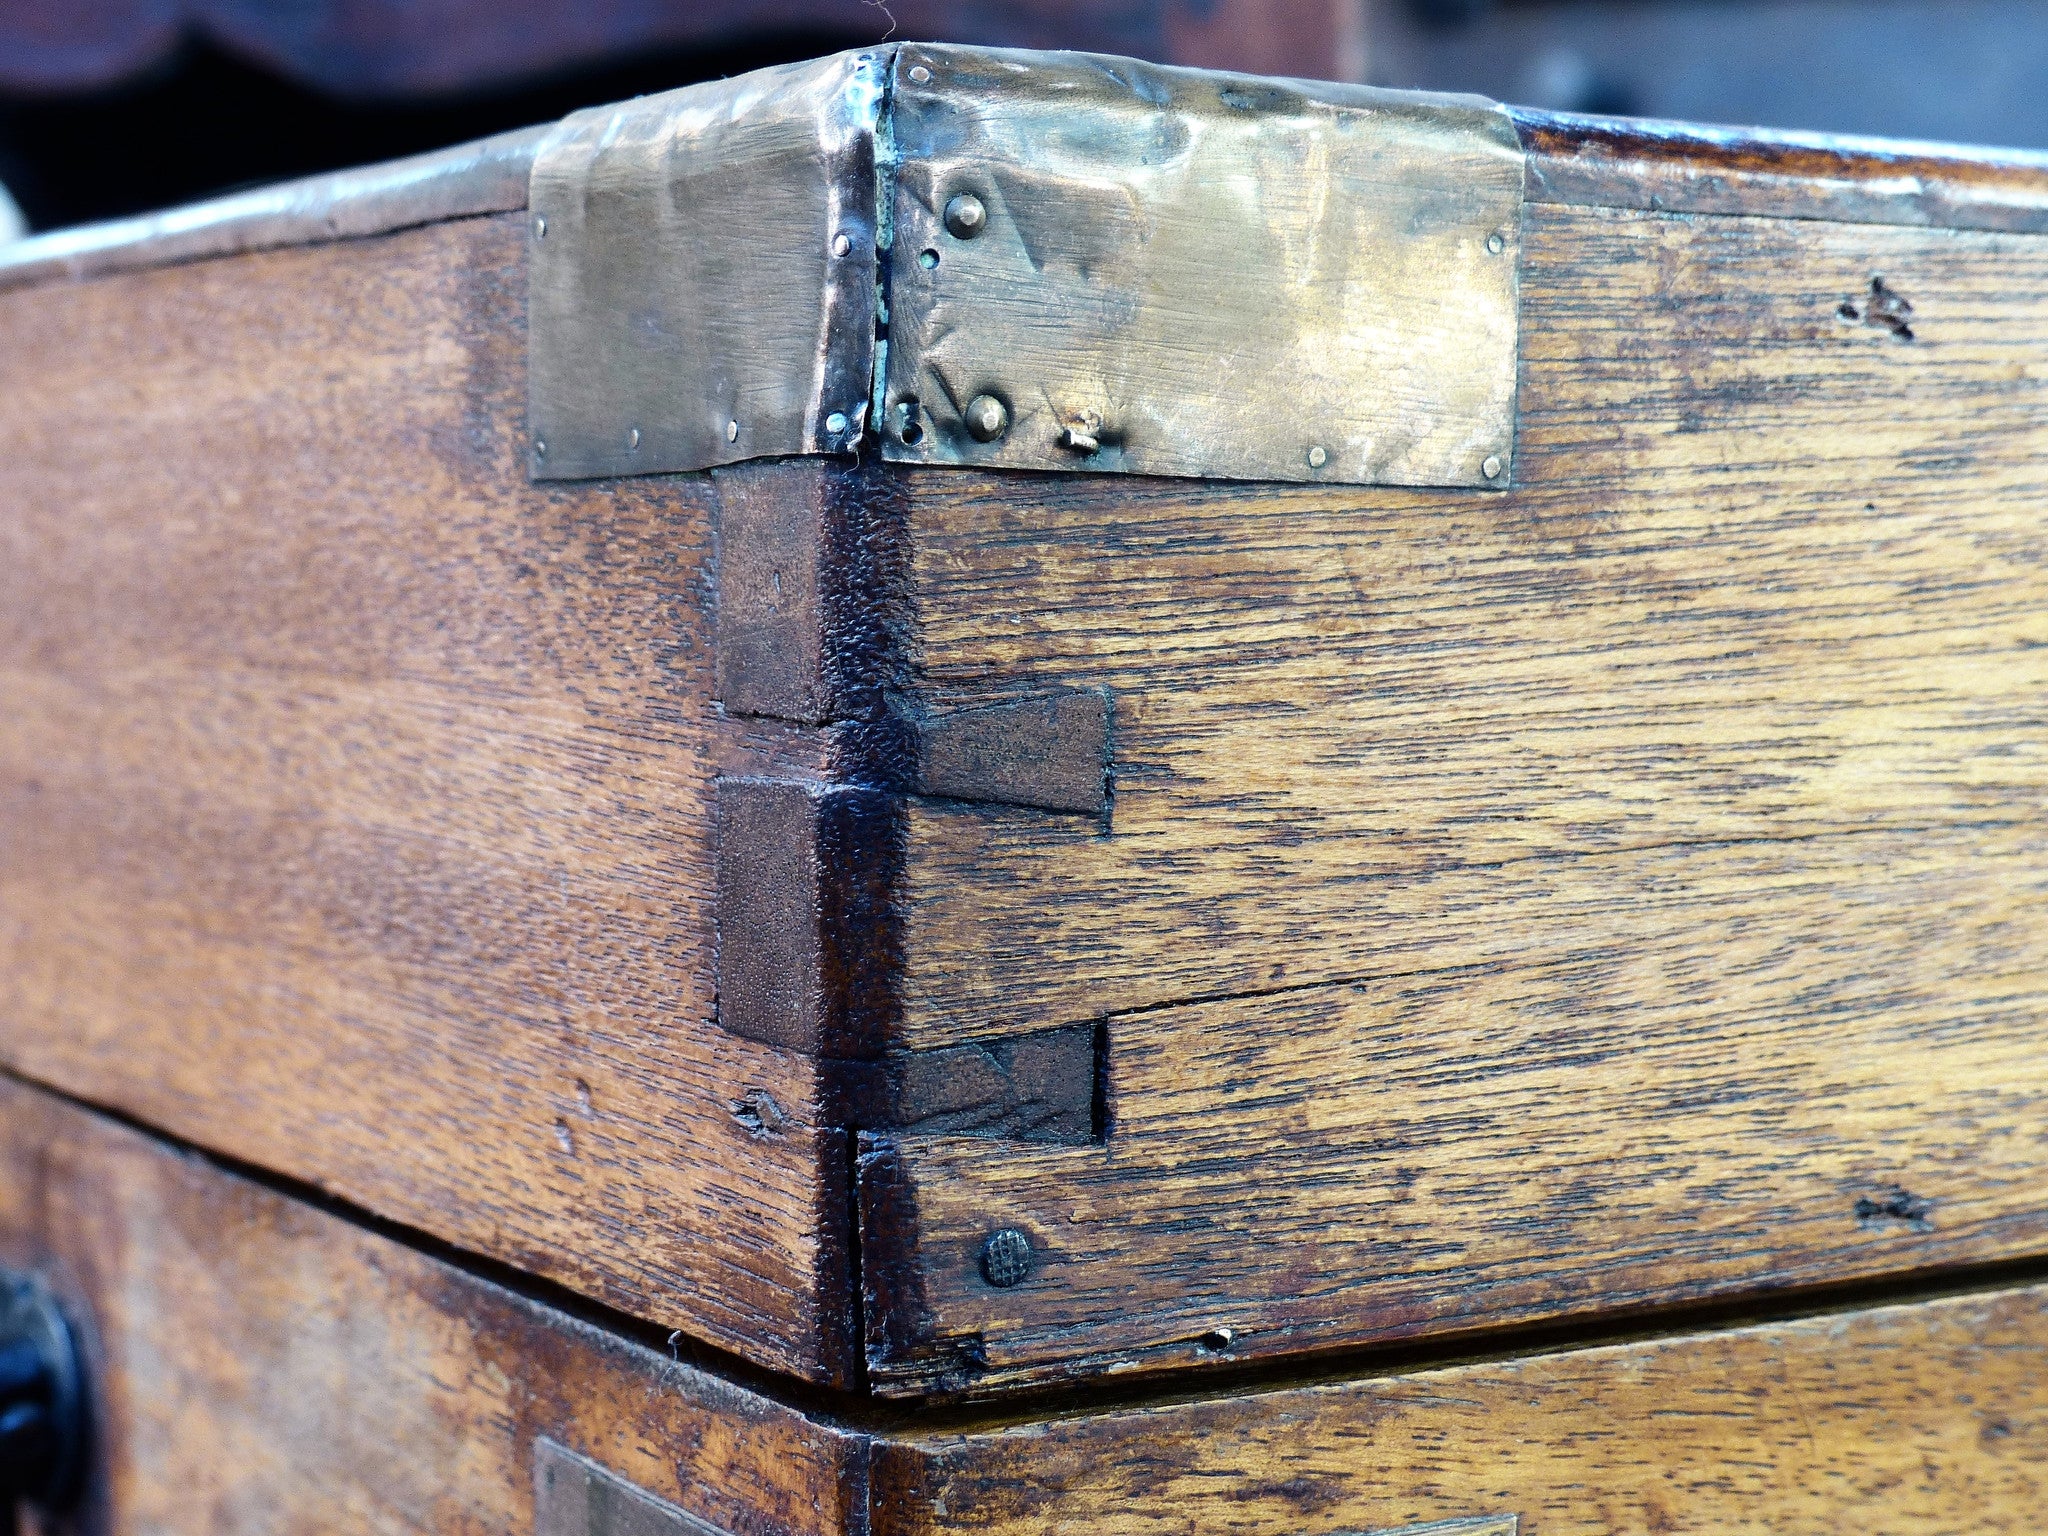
1172, 272
1201, 274
702, 282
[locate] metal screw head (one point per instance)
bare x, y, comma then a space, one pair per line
540, 226
920, 74
836, 422
633, 441
966, 216
841, 244
732, 431
1005, 1257
1495, 244
987, 418
540, 448
1491, 466
1318, 456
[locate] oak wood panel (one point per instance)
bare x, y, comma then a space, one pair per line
1826, 1067
261, 1366
1769, 572
1695, 168
1930, 1419
356, 795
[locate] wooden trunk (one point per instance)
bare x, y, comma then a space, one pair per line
866, 993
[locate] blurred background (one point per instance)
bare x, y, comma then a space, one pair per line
110, 107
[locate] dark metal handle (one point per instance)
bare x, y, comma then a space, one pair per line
42, 1398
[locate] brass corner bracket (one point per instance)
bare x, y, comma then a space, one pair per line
963, 256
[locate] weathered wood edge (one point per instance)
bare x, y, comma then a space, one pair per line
487, 176
1673, 167
1592, 161
816, 631
118, 1220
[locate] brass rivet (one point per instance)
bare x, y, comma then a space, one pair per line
920, 74
966, 216
841, 245
732, 431
1318, 457
1005, 1258
1495, 244
987, 418
1491, 467
540, 226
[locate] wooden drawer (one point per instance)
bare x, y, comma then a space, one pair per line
1539, 827
269, 1367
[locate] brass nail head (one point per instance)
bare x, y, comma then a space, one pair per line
987, 418
966, 216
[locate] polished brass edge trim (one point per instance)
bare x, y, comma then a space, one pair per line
488, 176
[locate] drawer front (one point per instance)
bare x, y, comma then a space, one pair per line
1910, 1420
258, 1365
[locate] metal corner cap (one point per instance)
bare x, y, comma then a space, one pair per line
702, 274
960, 256
1182, 272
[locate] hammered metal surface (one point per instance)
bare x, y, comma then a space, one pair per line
702, 282
1191, 273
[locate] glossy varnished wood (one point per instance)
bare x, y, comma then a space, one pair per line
356, 797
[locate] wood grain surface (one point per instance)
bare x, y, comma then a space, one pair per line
265, 1367
1536, 904
1828, 1069
262, 1367
356, 795
1926, 1420
1589, 897
1694, 168
1768, 573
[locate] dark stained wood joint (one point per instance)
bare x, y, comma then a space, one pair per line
1050, 751
1044, 1086
813, 617
807, 942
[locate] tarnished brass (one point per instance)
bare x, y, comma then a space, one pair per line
1084, 263
702, 285
489, 176
1189, 273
